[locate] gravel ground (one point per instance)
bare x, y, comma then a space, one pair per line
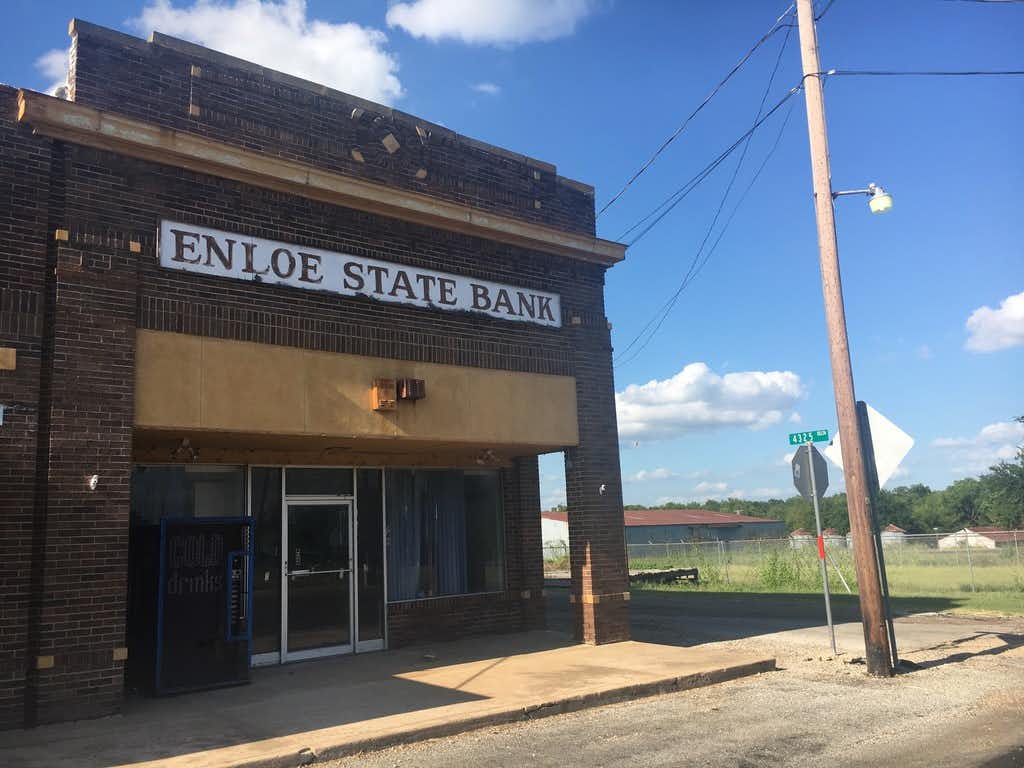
964, 706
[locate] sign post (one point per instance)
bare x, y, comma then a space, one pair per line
810, 476
885, 446
874, 488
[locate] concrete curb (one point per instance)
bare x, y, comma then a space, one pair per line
514, 714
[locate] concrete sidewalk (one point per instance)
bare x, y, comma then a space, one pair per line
294, 714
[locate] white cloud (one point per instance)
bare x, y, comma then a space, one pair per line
646, 475
489, 22
924, 352
707, 486
280, 35
491, 89
553, 499
696, 398
787, 458
989, 330
795, 417
54, 66
993, 443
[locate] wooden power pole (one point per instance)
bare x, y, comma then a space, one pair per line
876, 639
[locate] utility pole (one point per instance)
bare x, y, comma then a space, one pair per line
876, 639
821, 548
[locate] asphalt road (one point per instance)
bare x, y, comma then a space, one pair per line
963, 706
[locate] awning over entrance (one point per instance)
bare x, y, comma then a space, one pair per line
229, 399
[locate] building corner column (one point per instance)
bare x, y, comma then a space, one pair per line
599, 590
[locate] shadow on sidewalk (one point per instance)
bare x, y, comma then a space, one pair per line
279, 701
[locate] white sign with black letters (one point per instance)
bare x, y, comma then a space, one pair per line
223, 254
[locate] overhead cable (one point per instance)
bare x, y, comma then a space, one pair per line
652, 218
662, 314
924, 73
714, 91
698, 264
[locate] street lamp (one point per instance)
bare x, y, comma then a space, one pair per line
880, 201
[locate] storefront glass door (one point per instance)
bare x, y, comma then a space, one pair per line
317, 600
318, 562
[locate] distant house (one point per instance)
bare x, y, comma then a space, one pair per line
833, 538
801, 538
661, 526
980, 537
893, 534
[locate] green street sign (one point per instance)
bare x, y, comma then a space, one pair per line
817, 436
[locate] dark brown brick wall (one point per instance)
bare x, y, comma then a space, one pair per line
593, 480
24, 219
84, 566
72, 307
181, 86
113, 199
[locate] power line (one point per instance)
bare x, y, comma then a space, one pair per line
743, 154
697, 265
670, 304
824, 11
666, 206
664, 145
925, 73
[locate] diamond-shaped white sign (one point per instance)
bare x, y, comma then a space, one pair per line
891, 445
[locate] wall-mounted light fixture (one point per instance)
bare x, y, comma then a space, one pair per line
411, 389
383, 395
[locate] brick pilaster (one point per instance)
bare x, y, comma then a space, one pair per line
82, 563
526, 476
25, 168
600, 579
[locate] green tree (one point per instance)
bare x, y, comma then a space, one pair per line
934, 512
1003, 500
897, 506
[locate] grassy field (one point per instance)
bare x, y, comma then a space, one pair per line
1002, 603
714, 601
920, 578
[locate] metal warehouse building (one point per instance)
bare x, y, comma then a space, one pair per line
276, 364
660, 526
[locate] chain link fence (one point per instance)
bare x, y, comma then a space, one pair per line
916, 565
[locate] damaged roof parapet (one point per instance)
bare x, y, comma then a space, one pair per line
79, 124
80, 27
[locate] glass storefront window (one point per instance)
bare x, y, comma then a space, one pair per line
317, 481
190, 490
445, 533
266, 581
370, 566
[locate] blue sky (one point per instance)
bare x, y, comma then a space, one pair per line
596, 86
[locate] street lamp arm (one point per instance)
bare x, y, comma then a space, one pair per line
880, 202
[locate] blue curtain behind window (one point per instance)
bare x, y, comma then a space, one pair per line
449, 512
404, 536
426, 516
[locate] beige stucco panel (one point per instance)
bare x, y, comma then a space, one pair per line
247, 390
167, 391
214, 384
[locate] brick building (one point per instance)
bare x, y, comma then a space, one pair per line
276, 364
